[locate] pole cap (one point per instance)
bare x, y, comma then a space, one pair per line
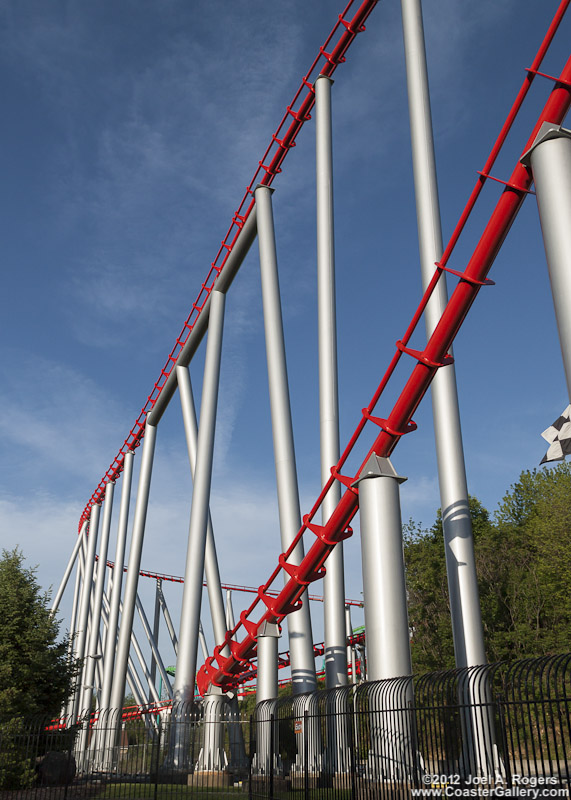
269, 629
378, 467
548, 130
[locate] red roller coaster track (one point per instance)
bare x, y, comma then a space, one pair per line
226, 672
230, 671
331, 54
233, 587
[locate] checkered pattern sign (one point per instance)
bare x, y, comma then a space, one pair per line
559, 437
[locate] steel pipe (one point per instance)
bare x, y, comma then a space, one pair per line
68, 569
98, 595
135, 553
465, 609
195, 557
299, 622
334, 580
113, 619
550, 161
81, 630
211, 569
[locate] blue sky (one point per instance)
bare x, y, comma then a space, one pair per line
130, 131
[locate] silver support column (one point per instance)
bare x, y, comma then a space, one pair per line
67, 707
550, 161
81, 629
69, 568
386, 616
195, 556
97, 596
267, 648
266, 761
334, 581
144, 669
168, 621
155, 656
132, 673
203, 642
212, 756
351, 660
211, 570
230, 620
156, 629
132, 582
458, 537
299, 622
113, 620
72, 649
463, 590
384, 589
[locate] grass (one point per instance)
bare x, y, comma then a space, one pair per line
167, 791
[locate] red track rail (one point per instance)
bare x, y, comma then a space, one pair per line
226, 671
331, 54
232, 586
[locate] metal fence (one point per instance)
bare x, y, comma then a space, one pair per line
500, 730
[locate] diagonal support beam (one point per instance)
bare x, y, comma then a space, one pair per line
195, 557
299, 623
415, 388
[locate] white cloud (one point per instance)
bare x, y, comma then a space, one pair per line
57, 421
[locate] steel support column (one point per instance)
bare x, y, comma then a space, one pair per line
89, 671
72, 649
211, 570
135, 553
168, 621
230, 620
68, 706
334, 580
203, 642
386, 616
468, 633
68, 570
299, 622
351, 661
113, 620
195, 555
155, 656
267, 678
458, 537
198, 526
267, 689
156, 629
81, 629
384, 589
550, 161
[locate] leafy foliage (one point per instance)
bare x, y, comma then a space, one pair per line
35, 673
523, 561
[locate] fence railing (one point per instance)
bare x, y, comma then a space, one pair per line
498, 730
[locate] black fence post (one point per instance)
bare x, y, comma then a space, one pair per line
157, 740
352, 743
272, 746
305, 755
250, 757
71, 740
502, 717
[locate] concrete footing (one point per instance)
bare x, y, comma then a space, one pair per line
212, 779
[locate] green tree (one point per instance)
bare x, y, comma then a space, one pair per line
523, 562
532, 561
427, 587
36, 675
